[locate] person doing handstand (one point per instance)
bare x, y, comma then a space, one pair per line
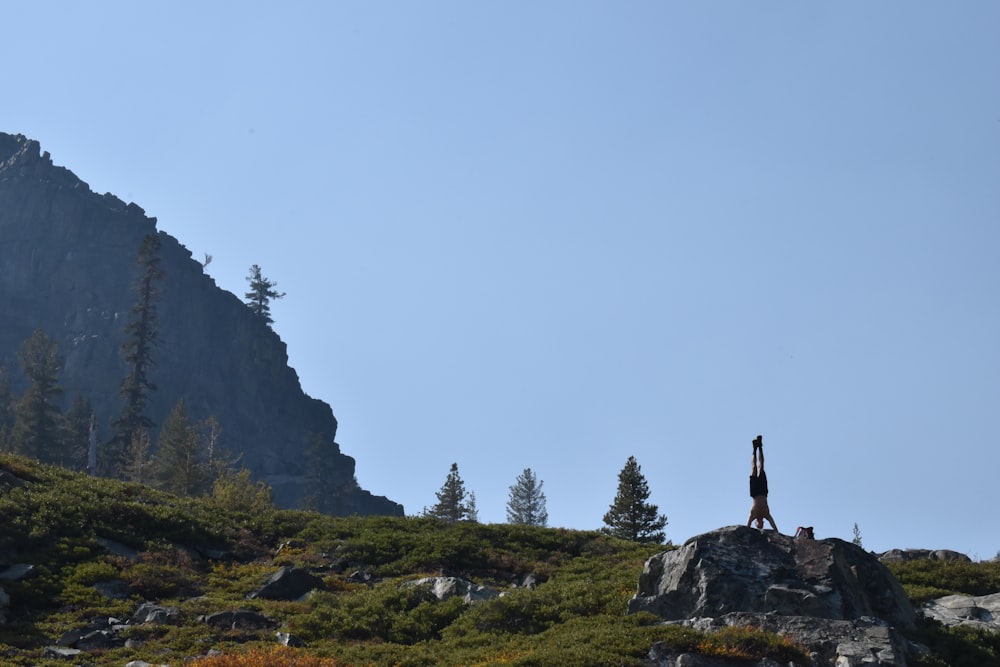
758, 489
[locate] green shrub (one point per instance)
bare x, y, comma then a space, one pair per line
958, 646
389, 612
926, 579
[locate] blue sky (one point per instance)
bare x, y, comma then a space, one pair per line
554, 235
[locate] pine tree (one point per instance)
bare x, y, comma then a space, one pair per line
471, 513
79, 418
38, 423
138, 458
238, 492
526, 505
630, 516
261, 294
178, 465
453, 502
141, 337
218, 461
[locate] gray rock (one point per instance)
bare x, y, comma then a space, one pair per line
117, 548
4, 605
740, 569
97, 634
287, 639
444, 588
17, 572
149, 612
832, 643
61, 652
974, 611
361, 577
240, 619
288, 583
903, 555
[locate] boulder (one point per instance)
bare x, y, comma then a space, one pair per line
17, 572
99, 634
974, 611
865, 640
828, 595
444, 588
240, 619
61, 653
116, 548
898, 555
288, 639
149, 612
288, 583
742, 569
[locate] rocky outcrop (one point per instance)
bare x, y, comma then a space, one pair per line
903, 555
982, 611
829, 595
444, 588
67, 266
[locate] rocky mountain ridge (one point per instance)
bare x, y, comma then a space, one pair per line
67, 266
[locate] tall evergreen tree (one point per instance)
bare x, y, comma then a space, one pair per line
323, 492
138, 458
79, 418
141, 337
178, 464
454, 503
38, 423
630, 516
238, 492
526, 504
261, 294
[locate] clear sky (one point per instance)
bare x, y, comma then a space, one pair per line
557, 234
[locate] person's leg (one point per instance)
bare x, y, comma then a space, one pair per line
760, 451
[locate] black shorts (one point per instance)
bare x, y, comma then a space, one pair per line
758, 485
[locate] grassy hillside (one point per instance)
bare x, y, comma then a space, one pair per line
198, 559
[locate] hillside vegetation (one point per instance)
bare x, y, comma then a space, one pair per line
102, 548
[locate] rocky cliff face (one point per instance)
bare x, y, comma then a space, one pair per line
67, 266
829, 595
